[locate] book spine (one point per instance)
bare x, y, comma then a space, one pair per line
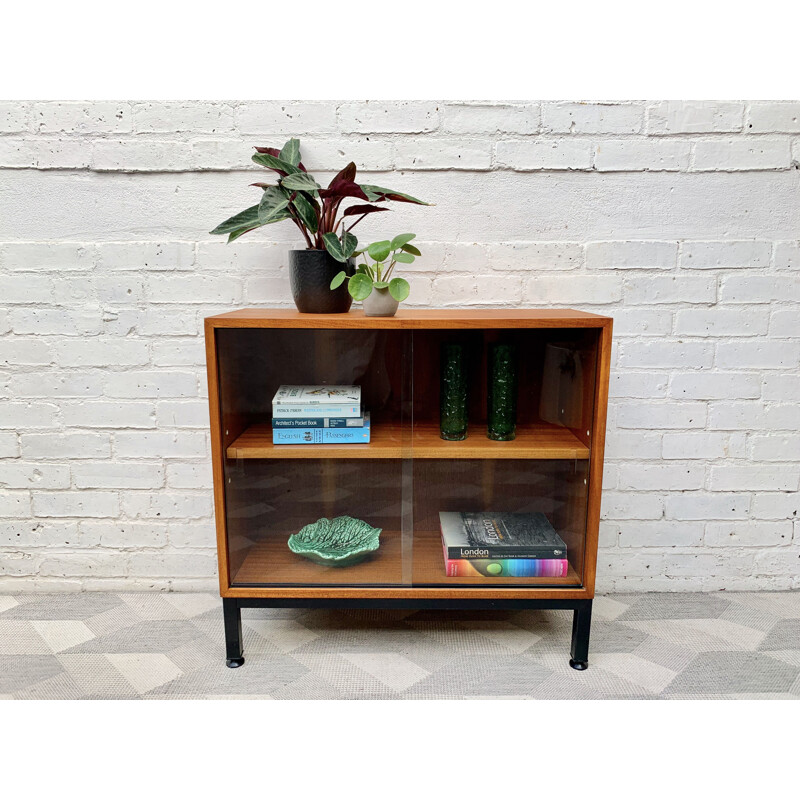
316, 412
478, 553
507, 568
320, 435
318, 422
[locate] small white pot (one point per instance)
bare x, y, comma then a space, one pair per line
379, 303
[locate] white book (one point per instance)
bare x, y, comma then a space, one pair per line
288, 395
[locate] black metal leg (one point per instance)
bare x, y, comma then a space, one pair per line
581, 628
232, 612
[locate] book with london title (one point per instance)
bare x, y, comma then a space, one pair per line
323, 435
317, 402
499, 535
505, 567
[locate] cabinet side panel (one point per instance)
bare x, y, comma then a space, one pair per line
598, 440
217, 454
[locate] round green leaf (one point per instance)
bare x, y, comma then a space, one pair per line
404, 258
409, 248
380, 284
379, 251
359, 286
403, 238
338, 280
399, 289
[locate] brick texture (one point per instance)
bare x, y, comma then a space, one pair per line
679, 219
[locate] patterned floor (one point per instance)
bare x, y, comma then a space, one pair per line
170, 646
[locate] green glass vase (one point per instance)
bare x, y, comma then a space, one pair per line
502, 392
453, 393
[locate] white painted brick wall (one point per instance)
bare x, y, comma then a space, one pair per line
679, 219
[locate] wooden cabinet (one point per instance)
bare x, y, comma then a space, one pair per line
407, 474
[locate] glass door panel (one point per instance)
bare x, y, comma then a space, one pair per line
274, 490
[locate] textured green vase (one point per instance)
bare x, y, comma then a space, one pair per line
502, 392
337, 542
453, 393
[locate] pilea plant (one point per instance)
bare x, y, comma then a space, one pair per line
297, 196
378, 275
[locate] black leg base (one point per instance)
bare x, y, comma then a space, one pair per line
232, 614
581, 627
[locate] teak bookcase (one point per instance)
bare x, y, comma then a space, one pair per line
407, 474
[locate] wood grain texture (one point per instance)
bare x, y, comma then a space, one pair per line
394, 574
217, 455
598, 441
271, 562
411, 319
388, 441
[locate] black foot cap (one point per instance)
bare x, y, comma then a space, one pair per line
579, 665
233, 663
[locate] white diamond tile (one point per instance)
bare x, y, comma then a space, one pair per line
144, 671
391, 669
193, 604
285, 634
7, 602
516, 639
645, 673
63, 633
604, 608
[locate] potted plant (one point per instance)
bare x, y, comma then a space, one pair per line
318, 215
373, 284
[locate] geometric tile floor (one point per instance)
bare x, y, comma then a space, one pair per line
171, 646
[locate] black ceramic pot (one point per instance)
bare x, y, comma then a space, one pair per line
310, 275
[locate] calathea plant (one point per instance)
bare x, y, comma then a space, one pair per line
319, 214
297, 196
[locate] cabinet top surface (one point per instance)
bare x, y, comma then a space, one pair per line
413, 318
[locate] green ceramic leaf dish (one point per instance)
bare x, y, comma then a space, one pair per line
338, 542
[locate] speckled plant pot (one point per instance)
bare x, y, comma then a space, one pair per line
310, 276
379, 303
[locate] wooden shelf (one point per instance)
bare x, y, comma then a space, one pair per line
390, 441
270, 562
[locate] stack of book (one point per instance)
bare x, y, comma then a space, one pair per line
501, 545
319, 415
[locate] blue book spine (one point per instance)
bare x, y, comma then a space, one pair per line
316, 412
322, 435
318, 422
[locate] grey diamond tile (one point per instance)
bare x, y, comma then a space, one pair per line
18, 637
734, 673
665, 654
77, 605
785, 635
611, 637
482, 675
96, 677
781, 604
382, 640
19, 672
747, 615
259, 675
59, 687
676, 606
348, 678
308, 687
144, 637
